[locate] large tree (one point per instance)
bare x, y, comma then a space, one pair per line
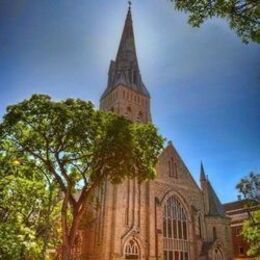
79, 147
249, 187
243, 15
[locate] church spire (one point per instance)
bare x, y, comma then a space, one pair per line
125, 70
202, 172
126, 94
126, 55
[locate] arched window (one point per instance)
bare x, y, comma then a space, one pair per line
129, 113
214, 233
140, 117
175, 230
200, 226
131, 250
172, 167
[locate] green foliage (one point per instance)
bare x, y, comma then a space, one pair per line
243, 16
251, 232
24, 203
249, 187
74, 142
77, 147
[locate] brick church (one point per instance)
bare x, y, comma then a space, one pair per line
170, 217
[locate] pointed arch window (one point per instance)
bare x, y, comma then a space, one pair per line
129, 112
172, 167
140, 117
175, 230
200, 226
131, 250
214, 230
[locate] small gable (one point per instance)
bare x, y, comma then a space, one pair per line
171, 168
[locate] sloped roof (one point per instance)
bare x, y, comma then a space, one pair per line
215, 206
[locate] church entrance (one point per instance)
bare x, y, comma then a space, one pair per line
132, 250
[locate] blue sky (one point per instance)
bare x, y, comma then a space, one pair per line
204, 83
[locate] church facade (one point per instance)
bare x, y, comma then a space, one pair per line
170, 217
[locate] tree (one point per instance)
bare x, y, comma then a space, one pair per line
27, 210
251, 232
243, 16
79, 147
250, 188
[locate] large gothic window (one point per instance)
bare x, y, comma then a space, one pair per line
128, 113
131, 250
175, 231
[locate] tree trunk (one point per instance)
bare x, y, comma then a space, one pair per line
66, 252
69, 233
71, 237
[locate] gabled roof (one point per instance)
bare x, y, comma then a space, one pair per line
171, 150
125, 70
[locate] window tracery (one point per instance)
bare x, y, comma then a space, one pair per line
131, 250
175, 231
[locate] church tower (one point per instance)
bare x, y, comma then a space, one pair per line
126, 94
169, 217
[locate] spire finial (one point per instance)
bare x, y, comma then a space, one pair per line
129, 4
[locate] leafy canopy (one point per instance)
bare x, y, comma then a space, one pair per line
75, 143
243, 16
251, 232
250, 189
25, 207
78, 147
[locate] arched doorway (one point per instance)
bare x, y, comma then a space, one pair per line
132, 250
175, 231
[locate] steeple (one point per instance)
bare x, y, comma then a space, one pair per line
126, 55
126, 93
125, 70
202, 172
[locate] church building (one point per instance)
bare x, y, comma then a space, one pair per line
168, 218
